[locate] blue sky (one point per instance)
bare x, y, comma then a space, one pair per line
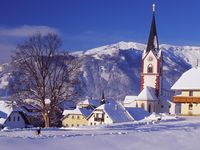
85, 24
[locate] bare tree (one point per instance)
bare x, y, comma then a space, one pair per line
44, 74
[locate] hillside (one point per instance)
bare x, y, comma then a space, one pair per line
116, 68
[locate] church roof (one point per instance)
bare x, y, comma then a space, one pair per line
148, 93
129, 99
189, 80
153, 37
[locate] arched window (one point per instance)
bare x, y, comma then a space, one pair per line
142, 105
149, 108
136, 105
150, 68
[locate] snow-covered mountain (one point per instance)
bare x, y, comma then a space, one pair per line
115, 69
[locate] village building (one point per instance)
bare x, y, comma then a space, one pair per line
76, 117
108, 113
89, 103
187, 90
33, 115
11, 116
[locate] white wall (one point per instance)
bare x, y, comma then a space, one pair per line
107, 119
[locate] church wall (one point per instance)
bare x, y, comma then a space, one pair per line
150, 80
145, 105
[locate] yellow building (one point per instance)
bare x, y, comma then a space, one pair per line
188, 92
76, 117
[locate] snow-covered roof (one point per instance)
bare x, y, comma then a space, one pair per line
6, 108
93, 102
78, 111
137, 113
147, 93
129, 99
115, 111
190, 80
68, 104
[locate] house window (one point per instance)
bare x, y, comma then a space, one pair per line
72, 125
66, 125
150, 68
77, 125
78, 117
14, 118
162, 106
190, 106
190, 93
95, 124
18, 118
91, 123
9, 119
72, 117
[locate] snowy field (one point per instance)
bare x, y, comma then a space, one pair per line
183, 134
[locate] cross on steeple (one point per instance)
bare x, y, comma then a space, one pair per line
153, 37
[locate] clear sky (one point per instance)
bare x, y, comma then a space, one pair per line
85, 24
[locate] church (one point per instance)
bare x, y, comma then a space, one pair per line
151, 97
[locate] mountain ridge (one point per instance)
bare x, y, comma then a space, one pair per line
116, 68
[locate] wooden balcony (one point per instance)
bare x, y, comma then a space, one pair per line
185, 99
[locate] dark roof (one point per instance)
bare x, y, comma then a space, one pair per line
153, 37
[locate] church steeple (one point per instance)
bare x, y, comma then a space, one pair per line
153, 37
151, 75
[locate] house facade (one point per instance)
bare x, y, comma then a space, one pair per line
11, 116
108, 113
187, 88
76, 117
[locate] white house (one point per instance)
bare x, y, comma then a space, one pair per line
108, 113
11, 116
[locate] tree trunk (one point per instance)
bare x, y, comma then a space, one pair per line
46, 120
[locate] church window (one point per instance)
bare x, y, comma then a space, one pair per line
150, 68
149, 108
142, 105
190, 106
